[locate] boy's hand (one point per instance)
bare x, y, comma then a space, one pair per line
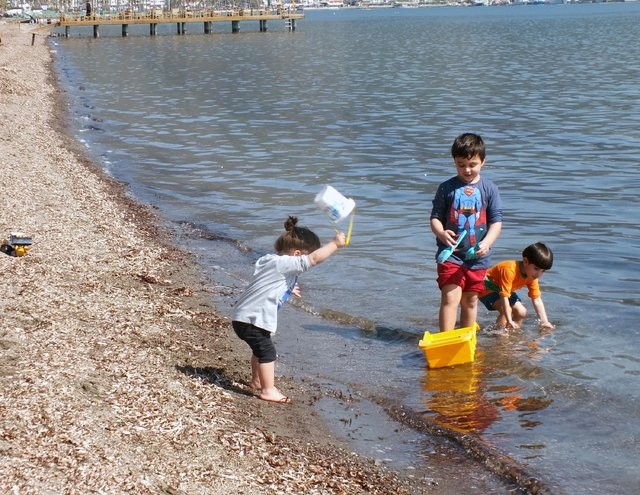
547, 325
340, 239
448, 237
296, 291
481, 249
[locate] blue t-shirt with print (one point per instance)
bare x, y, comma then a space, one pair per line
469, 207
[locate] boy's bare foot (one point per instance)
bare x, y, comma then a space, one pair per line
274, 395
283, 400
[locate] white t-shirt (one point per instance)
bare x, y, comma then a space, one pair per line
273, 280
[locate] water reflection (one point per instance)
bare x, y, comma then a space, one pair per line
466, 398
455, 397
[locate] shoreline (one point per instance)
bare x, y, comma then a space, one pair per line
117, 373
124, 375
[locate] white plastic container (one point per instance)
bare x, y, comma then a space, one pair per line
334, 204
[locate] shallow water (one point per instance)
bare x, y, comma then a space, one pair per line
228, 134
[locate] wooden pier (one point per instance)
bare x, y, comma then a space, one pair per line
181, 18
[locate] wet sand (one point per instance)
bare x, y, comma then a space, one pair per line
117, 374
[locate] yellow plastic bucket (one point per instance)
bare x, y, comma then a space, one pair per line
451, 347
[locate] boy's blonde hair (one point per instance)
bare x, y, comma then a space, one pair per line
300, 238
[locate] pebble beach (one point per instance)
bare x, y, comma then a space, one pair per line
117, 375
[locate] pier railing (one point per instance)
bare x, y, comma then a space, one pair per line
179, 15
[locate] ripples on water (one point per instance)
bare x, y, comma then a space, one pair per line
234, 132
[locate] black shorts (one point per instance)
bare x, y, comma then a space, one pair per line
258, 339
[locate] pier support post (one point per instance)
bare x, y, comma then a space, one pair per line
263, 26
293, 24
153, 29
125, 30
67, 31
96, 32
235, 26
207, 27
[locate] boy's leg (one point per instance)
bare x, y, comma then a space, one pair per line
491, 301
501, 320
518, 313
473, 286
267, 381
255, 373
449, 300
262, 373
469, 309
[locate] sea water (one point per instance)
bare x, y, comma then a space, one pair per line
228, 134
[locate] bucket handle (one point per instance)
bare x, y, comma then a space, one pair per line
348, 239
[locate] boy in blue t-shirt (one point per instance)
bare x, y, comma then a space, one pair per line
471, 204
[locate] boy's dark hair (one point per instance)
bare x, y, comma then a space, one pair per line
468, 145
540, 255
296, 238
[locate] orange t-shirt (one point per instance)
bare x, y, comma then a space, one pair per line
508, 278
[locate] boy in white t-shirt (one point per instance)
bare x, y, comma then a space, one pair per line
255, 315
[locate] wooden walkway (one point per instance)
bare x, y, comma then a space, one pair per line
181, 18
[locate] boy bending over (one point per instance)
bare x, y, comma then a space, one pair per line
506, 277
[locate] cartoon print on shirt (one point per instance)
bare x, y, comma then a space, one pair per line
467, 212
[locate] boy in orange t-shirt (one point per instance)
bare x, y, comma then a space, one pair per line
505, 278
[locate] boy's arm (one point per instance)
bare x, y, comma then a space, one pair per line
542, 314
322, 253
491, 236
504, 307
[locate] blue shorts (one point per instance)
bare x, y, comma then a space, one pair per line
258, 339
492, 297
